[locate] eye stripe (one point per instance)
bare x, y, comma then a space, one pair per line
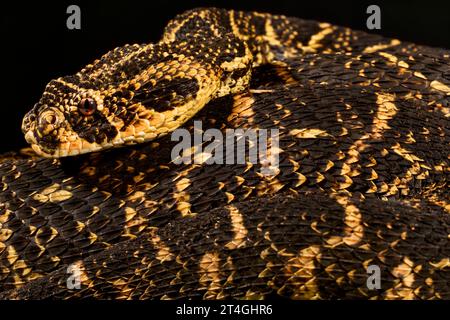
168, 95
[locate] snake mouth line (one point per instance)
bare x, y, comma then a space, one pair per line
69, 149
80, 146
36, 148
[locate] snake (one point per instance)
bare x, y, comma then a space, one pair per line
362, 180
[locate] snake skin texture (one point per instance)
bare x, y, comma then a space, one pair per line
363, 180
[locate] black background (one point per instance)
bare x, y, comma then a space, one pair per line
36, 46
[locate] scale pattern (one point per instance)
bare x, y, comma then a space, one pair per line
363, 180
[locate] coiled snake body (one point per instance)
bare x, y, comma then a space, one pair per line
363, 174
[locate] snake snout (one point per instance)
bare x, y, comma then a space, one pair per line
29, 120
40, 125
49, 119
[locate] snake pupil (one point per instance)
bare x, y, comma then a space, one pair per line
87, 106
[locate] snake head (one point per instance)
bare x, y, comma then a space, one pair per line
68, 120
120, 99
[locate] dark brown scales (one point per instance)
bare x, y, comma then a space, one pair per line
363, 180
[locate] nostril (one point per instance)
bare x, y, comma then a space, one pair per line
50, 119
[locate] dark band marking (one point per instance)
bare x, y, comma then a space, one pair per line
96, 129
168, 94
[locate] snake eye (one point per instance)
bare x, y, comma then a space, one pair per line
87, 106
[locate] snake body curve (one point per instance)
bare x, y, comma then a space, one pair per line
363, 179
